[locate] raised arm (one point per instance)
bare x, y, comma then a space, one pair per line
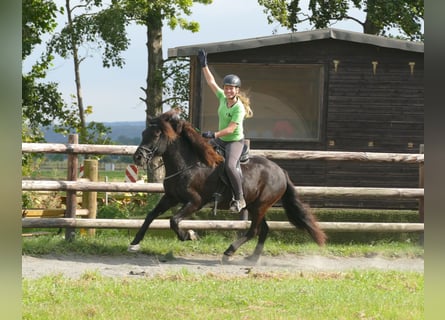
202, 57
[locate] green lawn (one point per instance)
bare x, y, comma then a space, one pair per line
348, 295
254, 295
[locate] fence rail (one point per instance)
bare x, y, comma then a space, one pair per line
270, 154
348, 192
71, 186
214, 225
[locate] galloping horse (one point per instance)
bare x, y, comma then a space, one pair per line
192, 178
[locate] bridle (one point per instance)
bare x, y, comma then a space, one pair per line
148, 154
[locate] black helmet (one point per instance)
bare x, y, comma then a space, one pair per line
232, 80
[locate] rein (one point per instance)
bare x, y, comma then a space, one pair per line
180, 172
161, 165
174, 174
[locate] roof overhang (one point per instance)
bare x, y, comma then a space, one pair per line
296, 37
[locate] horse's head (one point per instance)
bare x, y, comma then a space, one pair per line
156, 137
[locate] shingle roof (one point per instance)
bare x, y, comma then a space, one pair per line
295, 37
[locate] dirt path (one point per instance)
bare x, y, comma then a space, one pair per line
138, 265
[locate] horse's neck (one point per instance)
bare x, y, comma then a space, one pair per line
178, 156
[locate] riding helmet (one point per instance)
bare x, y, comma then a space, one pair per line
232, 80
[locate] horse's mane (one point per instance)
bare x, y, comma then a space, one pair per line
173, 127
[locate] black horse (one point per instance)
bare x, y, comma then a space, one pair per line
193, 177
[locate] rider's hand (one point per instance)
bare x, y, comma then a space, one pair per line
209, 134
202, 57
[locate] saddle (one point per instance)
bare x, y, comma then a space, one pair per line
221, 150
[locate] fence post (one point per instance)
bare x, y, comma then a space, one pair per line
106, 193
89, 198
71, 196
421, 200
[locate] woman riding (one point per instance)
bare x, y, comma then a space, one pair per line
233, 108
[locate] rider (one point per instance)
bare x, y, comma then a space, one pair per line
232, 109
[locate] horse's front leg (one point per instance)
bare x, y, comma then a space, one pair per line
163, 205
185, 211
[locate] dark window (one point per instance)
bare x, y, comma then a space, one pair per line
286, 100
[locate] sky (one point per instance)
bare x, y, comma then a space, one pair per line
115, 93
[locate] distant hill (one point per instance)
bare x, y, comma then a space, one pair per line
121, 132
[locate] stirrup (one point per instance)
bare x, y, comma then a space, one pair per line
237, 205
216, 197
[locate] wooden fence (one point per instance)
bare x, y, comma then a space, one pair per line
71, 186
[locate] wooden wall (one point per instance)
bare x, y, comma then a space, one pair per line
363, 111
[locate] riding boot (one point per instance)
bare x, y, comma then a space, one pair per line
238, 204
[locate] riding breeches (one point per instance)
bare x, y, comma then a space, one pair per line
233, 152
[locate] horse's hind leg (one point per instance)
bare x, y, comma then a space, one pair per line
264, 230
236, 244
252, 232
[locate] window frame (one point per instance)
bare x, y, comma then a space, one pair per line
314, 70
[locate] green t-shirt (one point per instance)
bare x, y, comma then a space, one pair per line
226, 115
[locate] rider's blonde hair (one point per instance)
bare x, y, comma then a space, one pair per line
246, 102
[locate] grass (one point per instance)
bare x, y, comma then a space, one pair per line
157, 242
254, 295
180, 295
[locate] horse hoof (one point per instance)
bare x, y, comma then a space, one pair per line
134, 247
253, 259
225, 259
192, 235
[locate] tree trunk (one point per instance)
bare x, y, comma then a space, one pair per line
370, 26
154, 73
154, 88
76, 60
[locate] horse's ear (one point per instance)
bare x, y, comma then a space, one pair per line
176, 113
172, 115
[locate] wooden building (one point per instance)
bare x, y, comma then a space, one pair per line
325, 89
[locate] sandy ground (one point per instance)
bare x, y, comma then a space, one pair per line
140, 265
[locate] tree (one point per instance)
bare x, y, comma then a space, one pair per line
176, 77
152, 14
93, 28
381, 15
42, 103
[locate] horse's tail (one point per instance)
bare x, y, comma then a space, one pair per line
300, 215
